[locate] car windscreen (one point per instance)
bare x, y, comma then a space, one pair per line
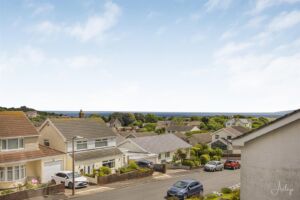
180, 184
70, 175
211, 163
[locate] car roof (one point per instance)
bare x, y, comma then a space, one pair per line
65, 172
189, 180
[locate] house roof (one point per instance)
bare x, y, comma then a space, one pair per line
243, 120
16, 123
282, 121
137, 134
202, 138
42, 152
181, 135
234, 130
86, 128
180, 128
160, 143
100, 153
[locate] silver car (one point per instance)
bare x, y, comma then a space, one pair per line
213, 166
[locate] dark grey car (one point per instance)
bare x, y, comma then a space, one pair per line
185, 188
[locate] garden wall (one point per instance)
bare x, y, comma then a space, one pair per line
25, 194
122, 177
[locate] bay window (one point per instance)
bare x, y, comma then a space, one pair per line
12, 173
9, 174
2, 173
101, 143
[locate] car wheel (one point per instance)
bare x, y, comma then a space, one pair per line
70, 185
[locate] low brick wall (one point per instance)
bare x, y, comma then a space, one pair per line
50, 190
122, 177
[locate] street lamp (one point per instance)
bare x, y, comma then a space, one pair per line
73, 163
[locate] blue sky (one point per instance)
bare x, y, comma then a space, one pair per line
171, 55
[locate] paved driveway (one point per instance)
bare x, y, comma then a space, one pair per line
155, 189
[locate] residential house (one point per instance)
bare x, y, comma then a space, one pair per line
181, 129
270, 160
21, 156
136, 134
96, 148
247, 123
201, 138
223, 138
31, 114
192, 123
163, 124
159, 148
115, 123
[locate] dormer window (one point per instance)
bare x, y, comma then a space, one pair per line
101, 143
46, 142
12, 144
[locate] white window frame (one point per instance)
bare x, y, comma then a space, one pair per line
167, 154
101, 141
21, 171
108, 162
20, 144
81, 142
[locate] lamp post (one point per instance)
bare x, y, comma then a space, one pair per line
73, 164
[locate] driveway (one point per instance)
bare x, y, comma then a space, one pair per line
155, 188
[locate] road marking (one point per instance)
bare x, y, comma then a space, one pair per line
100, 189
164, 176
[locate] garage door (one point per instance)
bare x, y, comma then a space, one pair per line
50, 168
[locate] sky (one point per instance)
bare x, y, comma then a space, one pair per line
171, 55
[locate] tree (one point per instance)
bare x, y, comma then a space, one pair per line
150, 127
179, 121
151, 118
139, 117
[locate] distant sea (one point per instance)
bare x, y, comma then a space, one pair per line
179, 114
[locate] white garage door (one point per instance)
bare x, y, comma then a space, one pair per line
50, 168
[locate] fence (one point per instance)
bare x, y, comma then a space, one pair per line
26, 194
122, 177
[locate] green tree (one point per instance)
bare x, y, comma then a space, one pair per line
151, 118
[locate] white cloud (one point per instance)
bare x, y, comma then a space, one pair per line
256, 21
228, 34
80, 62
284, 20
39, 8
217, 4
231, 48
261, 5
47, 27
96, 26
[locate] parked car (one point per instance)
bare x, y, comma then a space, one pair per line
144, 164
232, 164
66, 177
213, 166
185, 188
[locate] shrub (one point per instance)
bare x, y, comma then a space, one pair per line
133, 165
218, 152
105, 170
216, 158
204, 159
189, 163
226, 190
197, 163
211, 196
4, 192
236, 195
